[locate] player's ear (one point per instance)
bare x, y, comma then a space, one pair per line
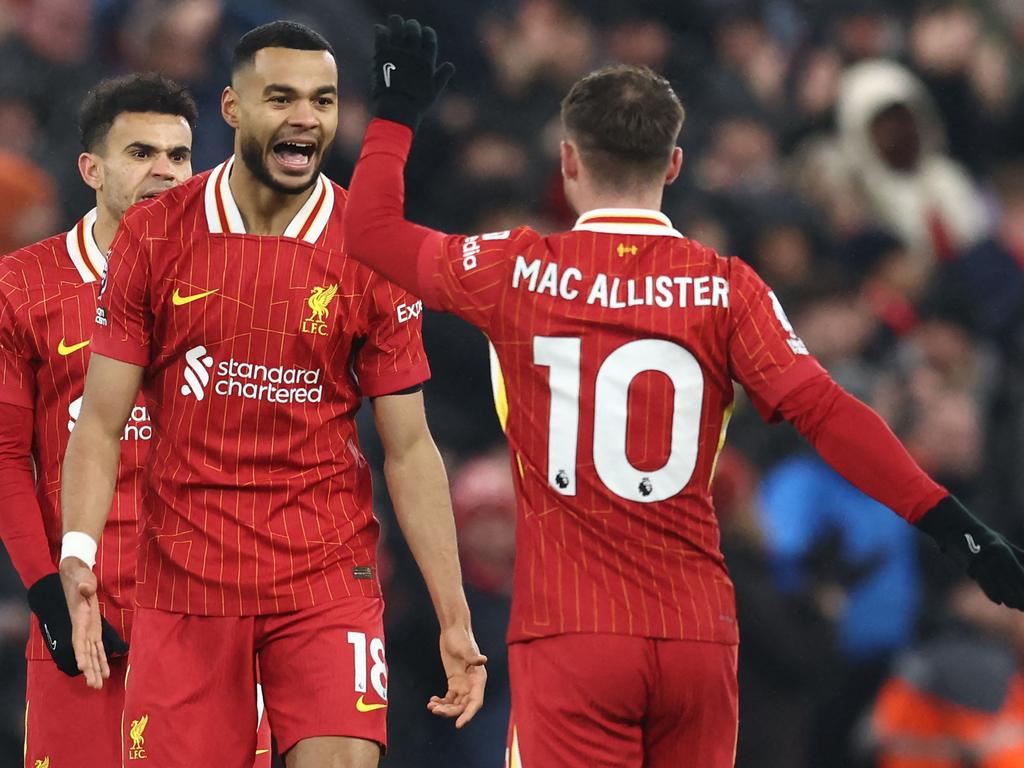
570, 158
675, 165
90, 169
229, 106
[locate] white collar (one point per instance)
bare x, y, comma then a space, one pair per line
222, 214
87, 257
626, 221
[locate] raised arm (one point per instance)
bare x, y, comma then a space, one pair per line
87, 490
418, 487
406, 82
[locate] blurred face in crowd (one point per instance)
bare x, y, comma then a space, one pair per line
284, 107
897, 138
143, 154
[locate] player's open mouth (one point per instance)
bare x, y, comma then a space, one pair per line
295, 155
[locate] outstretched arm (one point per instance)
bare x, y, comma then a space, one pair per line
858, 444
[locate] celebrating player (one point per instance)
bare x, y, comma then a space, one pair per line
137, 138
254, 339
619, 342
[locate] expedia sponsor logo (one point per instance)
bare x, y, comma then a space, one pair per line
407, 312
251, 381
139, 426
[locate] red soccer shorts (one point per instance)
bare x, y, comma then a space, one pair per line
68, 723
615, 701
192, 682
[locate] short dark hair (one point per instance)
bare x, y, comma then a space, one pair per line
277, 34
625, 120
140, 92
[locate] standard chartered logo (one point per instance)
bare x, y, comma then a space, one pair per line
250, 381
197, 374
137, 428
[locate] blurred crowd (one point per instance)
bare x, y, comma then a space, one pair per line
865, 156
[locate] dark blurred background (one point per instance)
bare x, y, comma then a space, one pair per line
866, 156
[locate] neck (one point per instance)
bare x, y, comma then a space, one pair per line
105, 227
264, 211
588, 200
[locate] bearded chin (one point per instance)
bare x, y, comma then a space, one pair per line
252, 156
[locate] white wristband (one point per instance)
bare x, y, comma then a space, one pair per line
80, 545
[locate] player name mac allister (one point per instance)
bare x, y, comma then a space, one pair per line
570, 284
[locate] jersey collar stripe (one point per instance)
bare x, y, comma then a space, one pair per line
629, 229
74, 245
96, 258
222, 214
213, 217
626, 221
299, 225
232, 217
83, 250
321, 215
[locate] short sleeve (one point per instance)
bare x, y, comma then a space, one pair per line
17, 377
392, 357
468, 275
124, 317
765, 355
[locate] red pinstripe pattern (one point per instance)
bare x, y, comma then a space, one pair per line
45, 301
253, 506
596, 562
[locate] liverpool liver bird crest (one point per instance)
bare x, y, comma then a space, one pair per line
138, 726
319, 298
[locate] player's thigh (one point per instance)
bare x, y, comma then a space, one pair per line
68, 723
324, 672
694, 706
190, 692
578, 701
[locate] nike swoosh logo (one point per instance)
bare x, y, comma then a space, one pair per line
64, 350
178, 300
972, 544
262, 751
364, 707
388, 69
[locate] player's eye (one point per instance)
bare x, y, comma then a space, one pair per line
325, 101
279, 100
140, 154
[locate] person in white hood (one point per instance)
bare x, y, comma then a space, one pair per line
894, 145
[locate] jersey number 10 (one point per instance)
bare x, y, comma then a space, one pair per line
611, 417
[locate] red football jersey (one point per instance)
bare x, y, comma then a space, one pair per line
618, 343
257, 353
47, 305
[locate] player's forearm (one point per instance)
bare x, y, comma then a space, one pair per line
376, 231
419, 492
89, 477
21, 520
857, 443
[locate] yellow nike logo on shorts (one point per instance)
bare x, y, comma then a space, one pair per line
178, 300
364, 707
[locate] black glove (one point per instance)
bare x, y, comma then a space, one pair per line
47, 601
988, 558
406, 78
